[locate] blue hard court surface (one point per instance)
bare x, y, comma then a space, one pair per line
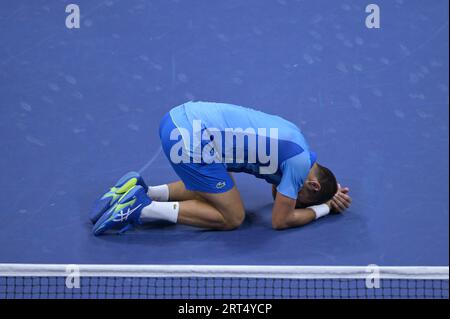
81, 107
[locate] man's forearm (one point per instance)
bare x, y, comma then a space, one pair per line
298, 217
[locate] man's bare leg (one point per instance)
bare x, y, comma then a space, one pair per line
213, 211
223, 211
178, 192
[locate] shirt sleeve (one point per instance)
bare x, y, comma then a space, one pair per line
294, 172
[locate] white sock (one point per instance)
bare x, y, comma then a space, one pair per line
159, 193
160, 210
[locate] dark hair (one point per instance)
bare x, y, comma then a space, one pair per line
328, 188
328, 185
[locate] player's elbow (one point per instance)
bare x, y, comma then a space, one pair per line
279, 224
281, 216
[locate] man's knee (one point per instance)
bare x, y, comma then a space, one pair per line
233, 221
229, 205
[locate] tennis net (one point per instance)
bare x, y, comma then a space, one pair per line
218, 282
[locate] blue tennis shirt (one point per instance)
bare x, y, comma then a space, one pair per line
249, 135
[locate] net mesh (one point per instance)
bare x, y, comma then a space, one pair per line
217, 288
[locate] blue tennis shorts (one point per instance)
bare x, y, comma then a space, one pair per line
201, 177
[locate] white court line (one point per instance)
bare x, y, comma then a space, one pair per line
230, 271
150, 162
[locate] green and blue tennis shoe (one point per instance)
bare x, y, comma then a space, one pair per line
125, 213
110, 198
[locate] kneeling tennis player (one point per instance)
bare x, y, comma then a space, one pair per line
205, 143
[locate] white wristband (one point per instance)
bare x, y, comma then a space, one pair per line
320, 210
